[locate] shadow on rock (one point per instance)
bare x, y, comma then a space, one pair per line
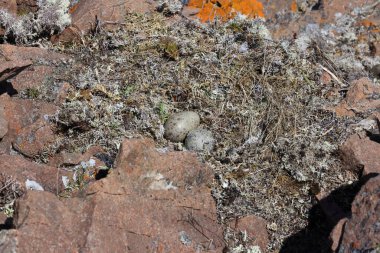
6, 87
323, 217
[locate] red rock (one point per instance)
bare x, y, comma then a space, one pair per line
9, 5
255, 227
152, 202
109, 14
39, 218
21, 114
33, 139
16, 63
71, 34
9, 69
31, 77
361, 152
361, 232
336, 234
34, 54
359, 98
72, 159
3, 123
21, 170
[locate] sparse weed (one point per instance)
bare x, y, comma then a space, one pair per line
169, 47
163, 111
32, 93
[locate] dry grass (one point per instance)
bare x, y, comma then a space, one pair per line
10, 190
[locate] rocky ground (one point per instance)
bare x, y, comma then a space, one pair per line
287, 97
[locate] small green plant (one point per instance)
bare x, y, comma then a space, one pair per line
9, 210
128, 90
32, 93
235, 27
169, 48
163, 111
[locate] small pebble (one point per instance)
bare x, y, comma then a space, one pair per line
200, 140
180, 124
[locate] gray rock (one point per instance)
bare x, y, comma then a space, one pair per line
180, 124
200, 140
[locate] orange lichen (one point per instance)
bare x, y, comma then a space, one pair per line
73, 8
366, 23
294, 6
226, 9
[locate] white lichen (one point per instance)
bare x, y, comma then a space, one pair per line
33, 185
52, 17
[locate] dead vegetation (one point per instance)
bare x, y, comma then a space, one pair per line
276, 141
10, 190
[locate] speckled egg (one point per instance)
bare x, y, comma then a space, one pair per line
200, 140
180, 124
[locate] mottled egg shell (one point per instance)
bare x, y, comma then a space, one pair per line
200, 140
180, 124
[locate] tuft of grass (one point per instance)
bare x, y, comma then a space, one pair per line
32, 93
163, 111
169, 47
10, 190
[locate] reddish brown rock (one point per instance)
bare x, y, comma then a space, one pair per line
255, 227
15, 62
31, 77
152, 202
361, 97
34, 54
3, 123
361, 153
32, 140
109, 14
361, 232
21, 115
156, 181
72, 159
9, 5
336, 234
21, 170
9, 69
40, 217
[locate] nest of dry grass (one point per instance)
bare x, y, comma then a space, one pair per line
276, 141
